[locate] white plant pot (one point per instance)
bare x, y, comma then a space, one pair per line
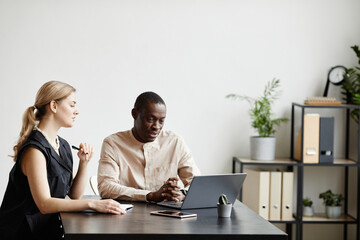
308, 211
333, 211
224, 210
262, 148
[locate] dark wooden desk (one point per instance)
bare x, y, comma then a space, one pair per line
139, 224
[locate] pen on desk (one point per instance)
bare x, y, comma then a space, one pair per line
76, 148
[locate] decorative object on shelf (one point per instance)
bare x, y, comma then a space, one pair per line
224, 207
308, 210
335, 76
332, 203
322, 101
262, 147
351, 86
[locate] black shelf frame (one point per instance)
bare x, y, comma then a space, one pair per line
300, 176
289, 164
300, 172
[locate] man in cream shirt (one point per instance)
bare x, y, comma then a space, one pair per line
144, 163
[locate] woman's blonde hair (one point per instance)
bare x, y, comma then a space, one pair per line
52, 90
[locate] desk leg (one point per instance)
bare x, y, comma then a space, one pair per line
289, 230
241, 171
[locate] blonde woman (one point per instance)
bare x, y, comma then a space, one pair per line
43, 171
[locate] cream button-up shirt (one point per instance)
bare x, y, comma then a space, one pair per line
129, 169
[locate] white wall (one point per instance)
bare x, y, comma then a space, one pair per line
192, 53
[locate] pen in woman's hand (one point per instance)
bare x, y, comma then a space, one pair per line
76, 148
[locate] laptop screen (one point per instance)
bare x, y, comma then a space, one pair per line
205, 190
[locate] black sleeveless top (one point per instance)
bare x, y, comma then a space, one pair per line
20, 218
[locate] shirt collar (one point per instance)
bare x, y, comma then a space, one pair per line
154, 144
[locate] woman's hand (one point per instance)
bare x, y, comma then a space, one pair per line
107, 206
81, 177
85, 153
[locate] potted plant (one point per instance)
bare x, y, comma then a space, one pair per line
224, 207
351, 86
262, 147
308, 208
332, 202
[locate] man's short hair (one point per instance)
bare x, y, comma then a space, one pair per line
145, 98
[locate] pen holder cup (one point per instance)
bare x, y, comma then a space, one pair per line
224, 210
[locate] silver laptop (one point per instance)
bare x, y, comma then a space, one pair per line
205, 190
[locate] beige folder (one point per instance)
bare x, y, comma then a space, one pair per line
311, 138
287, 196
256, 192
275, 196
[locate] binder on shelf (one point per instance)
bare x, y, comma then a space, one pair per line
256, 192
287, 196
311, 138
326, 144
275, 196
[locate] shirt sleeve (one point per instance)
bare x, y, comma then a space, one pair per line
187, 167
108, 178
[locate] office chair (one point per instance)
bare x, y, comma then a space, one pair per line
93, 185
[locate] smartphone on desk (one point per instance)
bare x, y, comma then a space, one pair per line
173, 213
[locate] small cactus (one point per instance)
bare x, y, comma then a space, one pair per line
223, 199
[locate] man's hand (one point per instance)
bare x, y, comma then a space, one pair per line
170, 191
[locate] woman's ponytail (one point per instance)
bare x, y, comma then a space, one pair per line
29, 121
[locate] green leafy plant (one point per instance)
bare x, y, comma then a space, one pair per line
260, 109
351, 86
223, 199
331, 199
307, 202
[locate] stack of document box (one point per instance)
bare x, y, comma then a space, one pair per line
318, 144
269, 193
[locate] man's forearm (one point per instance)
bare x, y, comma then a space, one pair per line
121, 192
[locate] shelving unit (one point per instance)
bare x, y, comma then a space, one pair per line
345, 162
